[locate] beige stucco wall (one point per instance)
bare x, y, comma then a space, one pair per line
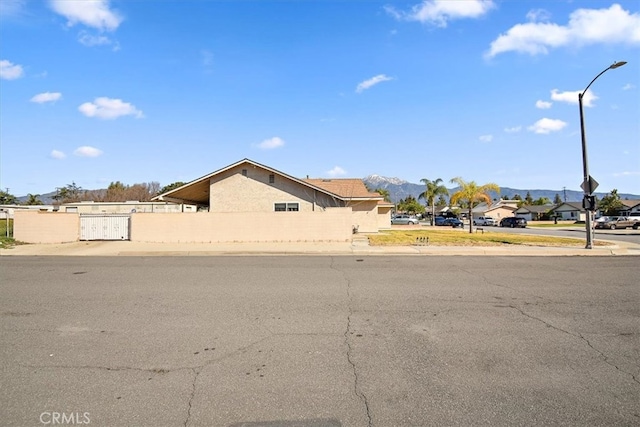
46, 227
365, 216
324, 226
384, 217
499, 213
231, 191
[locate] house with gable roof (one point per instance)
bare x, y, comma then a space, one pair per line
533, 212
630, 207
243, 202
250, 188
570, 211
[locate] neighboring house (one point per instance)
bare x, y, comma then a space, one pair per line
501, 209
125, 207
533, 212
478, 210
630, 206
7, 211
570, 211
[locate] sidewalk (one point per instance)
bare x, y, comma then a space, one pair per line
126, 248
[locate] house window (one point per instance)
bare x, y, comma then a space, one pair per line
286, 207
244, 172
272, 179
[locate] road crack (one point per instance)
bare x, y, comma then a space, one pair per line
603, 356
196, 372
356, 380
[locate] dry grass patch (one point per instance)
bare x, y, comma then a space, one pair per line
464, 238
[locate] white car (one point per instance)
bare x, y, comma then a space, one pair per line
485, 220
405, 220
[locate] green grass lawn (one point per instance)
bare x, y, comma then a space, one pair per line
560, 224
6, 239
464, 238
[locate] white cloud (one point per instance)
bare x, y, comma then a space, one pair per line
585, 27
440, 12
87, 151
545, 126
336, 171
628, 86
10, 71
41, 98
543, 105
372, 82
92, 40
514, 129
108, 108
92, 13
58, 155
627, 173
572, 97
537, 15
271, 143
10, 8
486, 138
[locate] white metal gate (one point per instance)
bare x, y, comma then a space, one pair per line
104, 227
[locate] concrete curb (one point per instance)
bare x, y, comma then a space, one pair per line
126, 248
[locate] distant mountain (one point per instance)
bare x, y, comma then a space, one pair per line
47, 199
399, 189
383, 180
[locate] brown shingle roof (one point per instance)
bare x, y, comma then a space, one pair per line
349, 188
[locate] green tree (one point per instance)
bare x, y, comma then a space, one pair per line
7, 198
33, 199
69, 193
542, 201
528, 199
384, 193
441, 201
517, 197
432, 190
410, 205
116, 192
170, 187
611, 203
472, 194
557, 200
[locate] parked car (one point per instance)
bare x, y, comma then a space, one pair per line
439, 220
485, 220
404, 220
618, 222
453, 222
513, 222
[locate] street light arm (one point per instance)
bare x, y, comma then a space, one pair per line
610, 67
594, 79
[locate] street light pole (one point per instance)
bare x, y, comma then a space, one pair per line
586, 183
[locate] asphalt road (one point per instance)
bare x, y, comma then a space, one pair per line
320, 341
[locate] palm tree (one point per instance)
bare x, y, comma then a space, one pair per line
384, 193
432, 190
33, 200
472, 194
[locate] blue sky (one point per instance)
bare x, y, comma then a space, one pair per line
139, 91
